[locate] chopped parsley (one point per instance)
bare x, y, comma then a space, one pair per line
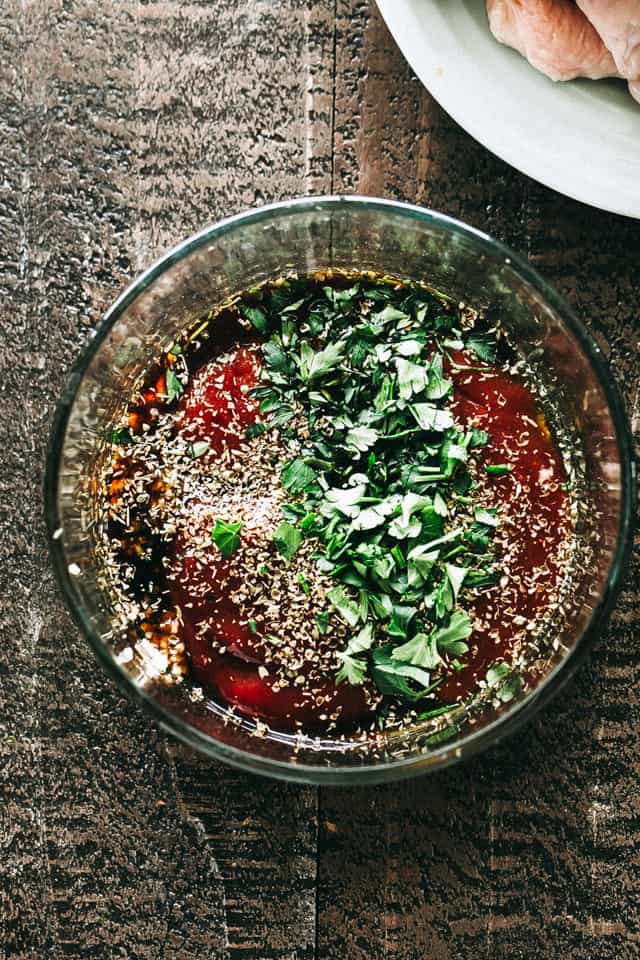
504, 681
304, 584
255, 430
287, 539
121, 437
255, 316
483, 345
382, 478
197, 449
226, 536
174, 386
297, 475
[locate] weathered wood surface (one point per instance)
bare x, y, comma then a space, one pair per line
123, 127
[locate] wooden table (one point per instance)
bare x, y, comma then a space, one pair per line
123, 127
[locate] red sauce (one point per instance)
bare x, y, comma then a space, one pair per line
534, 504
535, 510
217, 407
201, 592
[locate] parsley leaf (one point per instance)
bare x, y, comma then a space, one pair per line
275, 357
352, 670
440, 505
363, 640
372, 517
197, 449
391, 676
287, 539
121, 437
390, 313
429, 417
478, 537
255, 316
174, 386
412, 377
487, 516
452, 454
478, 438
450, 638
297, 475
402, 617
406, 525
456, 577
422, 651
496, 673
226, 536
341, 296
313, 365
507, 683
437, 386
484, 345
255, 430
361, 439
339, 500
409, 348
345, 607
420, 562
432, 523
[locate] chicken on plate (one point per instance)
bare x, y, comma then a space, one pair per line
566, 39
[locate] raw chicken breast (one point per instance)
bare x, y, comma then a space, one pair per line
618, 23
554, 36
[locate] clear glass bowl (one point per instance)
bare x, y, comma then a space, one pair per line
303, 236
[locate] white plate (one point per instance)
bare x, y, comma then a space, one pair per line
581, 138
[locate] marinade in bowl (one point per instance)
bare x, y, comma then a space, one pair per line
339, 519
353, 519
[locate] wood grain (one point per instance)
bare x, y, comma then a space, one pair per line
264, 835
122, 128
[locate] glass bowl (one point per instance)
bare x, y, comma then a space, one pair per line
303, 236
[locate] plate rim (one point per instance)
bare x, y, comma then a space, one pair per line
400, 18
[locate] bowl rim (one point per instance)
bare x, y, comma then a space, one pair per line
495, 731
